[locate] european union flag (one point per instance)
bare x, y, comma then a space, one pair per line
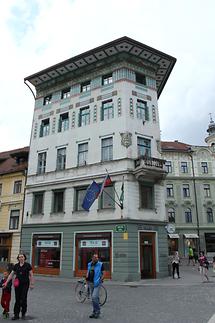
91, 195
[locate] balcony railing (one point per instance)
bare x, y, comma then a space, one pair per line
150, 162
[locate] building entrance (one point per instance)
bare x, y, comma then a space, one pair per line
147, 255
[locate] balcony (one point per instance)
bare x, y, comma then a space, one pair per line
149, 168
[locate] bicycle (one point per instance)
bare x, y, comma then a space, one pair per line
82, 292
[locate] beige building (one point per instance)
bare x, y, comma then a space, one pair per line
13, 166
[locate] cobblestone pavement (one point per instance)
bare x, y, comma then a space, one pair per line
185, 300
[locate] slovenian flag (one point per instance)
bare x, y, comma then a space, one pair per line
106, 182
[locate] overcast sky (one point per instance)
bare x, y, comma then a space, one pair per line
36, 34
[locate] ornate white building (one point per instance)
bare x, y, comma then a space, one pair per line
96, 113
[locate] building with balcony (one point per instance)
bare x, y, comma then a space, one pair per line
97, 113
190, 194
13, 167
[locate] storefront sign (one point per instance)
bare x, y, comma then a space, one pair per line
94, 243
48, 243
121, 228
125, 236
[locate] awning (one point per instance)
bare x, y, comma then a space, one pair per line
191, 235
173, 235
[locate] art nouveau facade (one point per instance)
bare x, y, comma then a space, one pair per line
97, 113
190, 194
13, 166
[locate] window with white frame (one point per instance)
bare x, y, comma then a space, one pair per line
14, 219
38, 199
107, 111
65, 93
107, 198
184, 168
142, 110
17, 187
47, 99
210, 217
204, 166
85, 87
207, 190
61, 159
168, 165
186, 190
58, 201
84, 116
41, 166
79, 197
143, 146
63, 122
107, 79
171, 215
44, 128
107, 149
146, 196
188, 215
82, 153
169, 190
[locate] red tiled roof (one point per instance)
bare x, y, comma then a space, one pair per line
174, 146
15, 160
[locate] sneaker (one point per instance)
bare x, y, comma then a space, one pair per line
15, 318
92, 316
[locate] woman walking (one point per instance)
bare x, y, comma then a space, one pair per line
175, 265
24, 279
203, 266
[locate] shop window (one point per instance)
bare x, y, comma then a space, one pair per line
146, 196
46, 251
171, 215
107, 198
188, 215
210, 242
58, 201
210, 217
14, 219
38, 203
17, 187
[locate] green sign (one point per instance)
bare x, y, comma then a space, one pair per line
121, 228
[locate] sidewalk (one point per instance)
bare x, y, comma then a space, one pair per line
189, 276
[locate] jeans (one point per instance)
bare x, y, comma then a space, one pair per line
94, 291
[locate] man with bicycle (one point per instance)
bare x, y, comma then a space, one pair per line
95, 277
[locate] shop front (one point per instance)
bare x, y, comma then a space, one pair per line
46, 254
190, 240
173, 244
87, 244
147, 255
5, 250
210, 243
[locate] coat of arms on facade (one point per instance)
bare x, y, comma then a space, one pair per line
126, 139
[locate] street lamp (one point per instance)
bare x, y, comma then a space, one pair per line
190, 151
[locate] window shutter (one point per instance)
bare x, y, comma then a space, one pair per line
101, 113
79, 119
59, 124
41, 130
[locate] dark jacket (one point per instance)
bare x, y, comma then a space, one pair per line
9, 285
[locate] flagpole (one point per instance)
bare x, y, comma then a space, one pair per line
113, 199
114, 187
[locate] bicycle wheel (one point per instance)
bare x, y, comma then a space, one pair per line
102, 295
81, 292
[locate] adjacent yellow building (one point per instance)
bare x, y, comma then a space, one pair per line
13, 168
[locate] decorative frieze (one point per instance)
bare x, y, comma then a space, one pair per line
131, 107
106, 96
53, 125
142, 96
46, 115
153, 114
73, 119
95, 113
35, 130
83, 103
119, 108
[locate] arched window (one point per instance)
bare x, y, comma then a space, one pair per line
171, 215
210, 217
188, 215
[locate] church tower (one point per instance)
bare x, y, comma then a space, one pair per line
210, 139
